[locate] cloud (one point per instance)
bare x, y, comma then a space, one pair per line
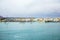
28, 7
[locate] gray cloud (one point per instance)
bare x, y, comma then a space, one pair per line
28, 7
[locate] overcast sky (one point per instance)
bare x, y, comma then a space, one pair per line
22, 8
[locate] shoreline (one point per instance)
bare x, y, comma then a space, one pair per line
29, 19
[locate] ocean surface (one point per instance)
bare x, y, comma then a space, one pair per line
29, 31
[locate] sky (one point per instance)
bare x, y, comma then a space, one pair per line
27, 8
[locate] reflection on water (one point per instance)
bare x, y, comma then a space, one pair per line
28, 31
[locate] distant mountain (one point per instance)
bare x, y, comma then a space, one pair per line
53, 15
36, 15
1, 17
48, 15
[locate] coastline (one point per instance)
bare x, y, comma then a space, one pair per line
30, 19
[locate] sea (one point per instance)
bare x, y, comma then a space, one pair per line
29, 31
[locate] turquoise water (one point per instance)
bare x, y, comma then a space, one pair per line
29, 31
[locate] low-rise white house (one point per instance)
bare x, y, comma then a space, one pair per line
48, 19
56, 19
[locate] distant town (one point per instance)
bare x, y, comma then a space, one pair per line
29, 19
